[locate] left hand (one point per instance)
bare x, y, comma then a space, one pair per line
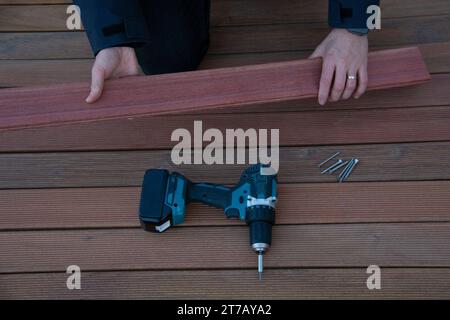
344, 54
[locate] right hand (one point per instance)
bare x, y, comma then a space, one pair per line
112, 63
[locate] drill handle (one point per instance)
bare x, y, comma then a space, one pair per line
215, 195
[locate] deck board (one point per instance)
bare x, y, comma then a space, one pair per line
362, 126
319, 203
296, 246
305, 283
379, 162
137, 134
68, 194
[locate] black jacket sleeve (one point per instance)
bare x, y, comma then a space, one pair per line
113, 23
349, 13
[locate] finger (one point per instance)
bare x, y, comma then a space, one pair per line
326, 79
350, 84
339, 83
97, 84
362, 82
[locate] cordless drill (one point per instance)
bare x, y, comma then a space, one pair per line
165, 196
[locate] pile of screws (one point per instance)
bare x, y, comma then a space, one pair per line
347, 167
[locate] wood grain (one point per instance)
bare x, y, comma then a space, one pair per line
327, 233
207, 89
294, 246
379, 162
313, 203
330, 283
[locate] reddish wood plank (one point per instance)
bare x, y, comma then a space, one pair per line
208, 89
298, 204
350, 283
342, 245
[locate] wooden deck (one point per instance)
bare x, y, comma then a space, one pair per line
69, 194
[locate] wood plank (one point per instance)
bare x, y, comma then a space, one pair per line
14, 18
318, 127
207, 89
239, 39
432, 93
426, 201
45, 17
294, 246
396, 283
44, 72
379, 162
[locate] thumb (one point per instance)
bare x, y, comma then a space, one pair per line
97, 84
317, 53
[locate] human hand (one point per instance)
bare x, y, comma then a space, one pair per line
344, 55
111, 63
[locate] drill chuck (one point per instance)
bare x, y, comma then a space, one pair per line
260, 220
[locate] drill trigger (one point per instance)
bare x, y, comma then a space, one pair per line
238, 205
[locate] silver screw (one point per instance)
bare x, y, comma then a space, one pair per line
330, 158
337, 168
333, 166
344, 172
345, 177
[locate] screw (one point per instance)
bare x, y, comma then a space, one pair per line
345, 177
330, 158
333, 166
337, 168
344, 172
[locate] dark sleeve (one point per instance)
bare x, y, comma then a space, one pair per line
113, 23
349, 13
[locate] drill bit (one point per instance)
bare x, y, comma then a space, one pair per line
260, 264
